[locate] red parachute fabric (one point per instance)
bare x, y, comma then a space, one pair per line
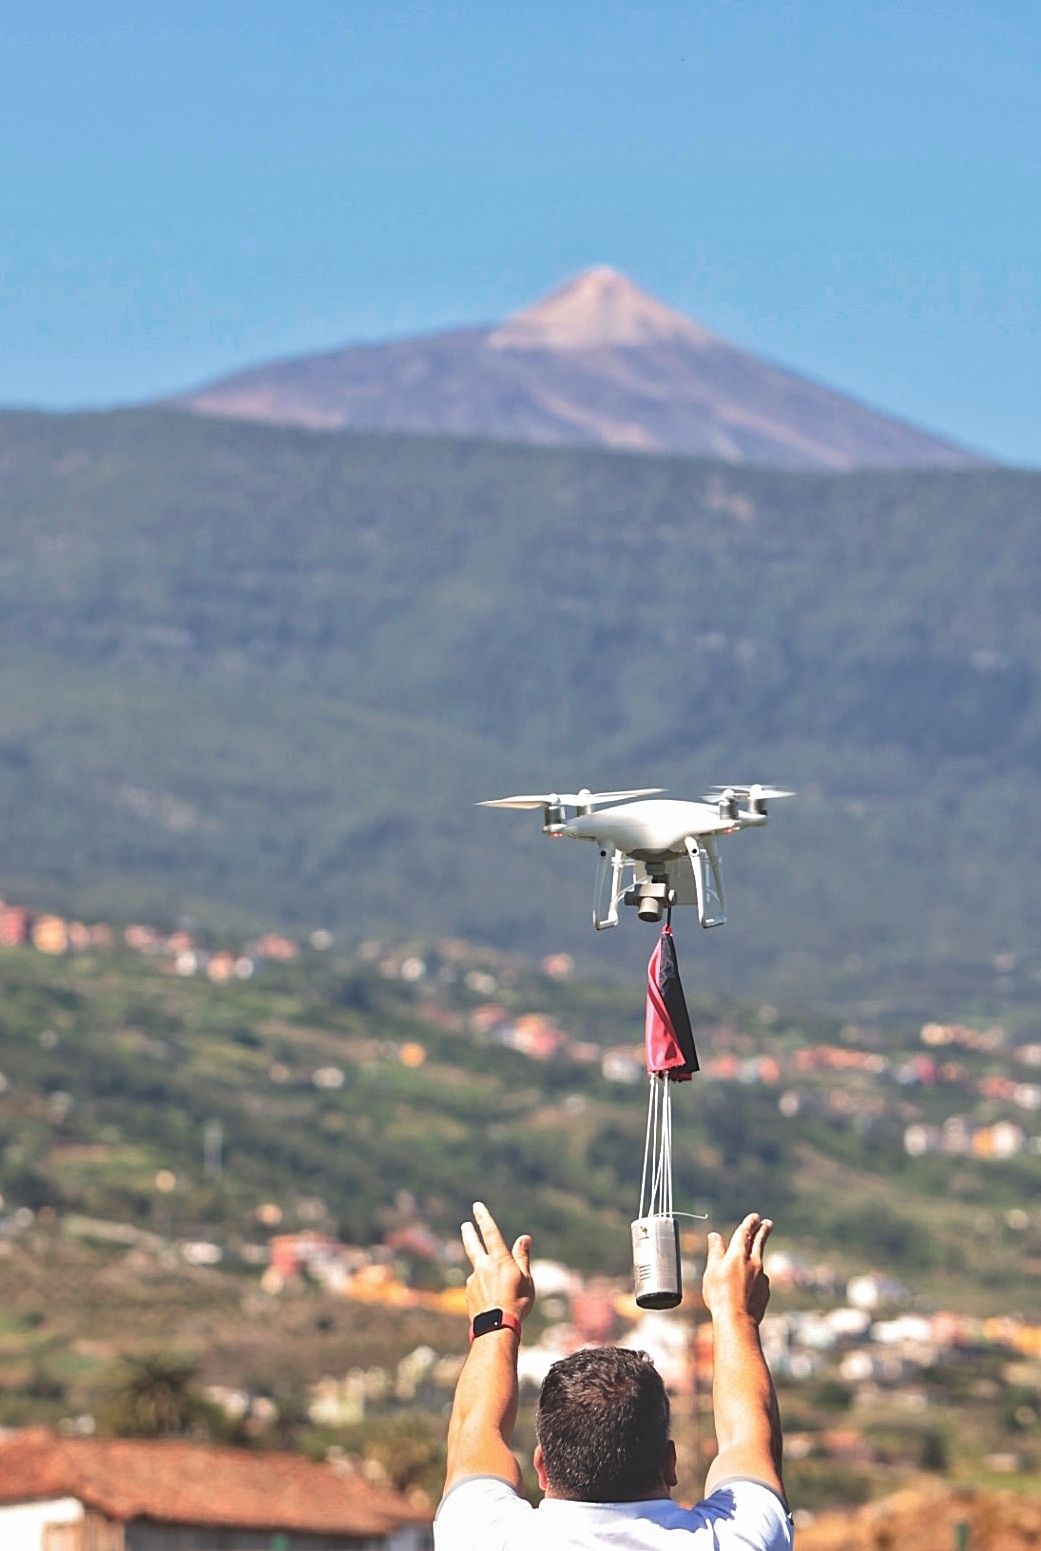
668, 1036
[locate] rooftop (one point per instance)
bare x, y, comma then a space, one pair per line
179, 1482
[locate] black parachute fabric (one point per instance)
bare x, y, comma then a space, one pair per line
669, 1039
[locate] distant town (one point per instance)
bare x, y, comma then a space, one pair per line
866, 1330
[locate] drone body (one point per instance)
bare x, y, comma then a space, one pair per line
654, 853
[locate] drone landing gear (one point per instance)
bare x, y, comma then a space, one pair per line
695, 878
708, 881
610, 868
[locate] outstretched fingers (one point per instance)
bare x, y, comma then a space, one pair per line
744, 1236
475, 1251
494, 1242
762, 1233
522, 1253
482, 1239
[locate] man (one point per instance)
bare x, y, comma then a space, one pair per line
604, 1459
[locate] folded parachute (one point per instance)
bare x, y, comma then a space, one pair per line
669, 1040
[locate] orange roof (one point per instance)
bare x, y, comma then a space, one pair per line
192, 1483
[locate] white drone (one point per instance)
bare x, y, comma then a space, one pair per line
653, 854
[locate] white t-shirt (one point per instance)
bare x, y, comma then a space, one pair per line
484, 1513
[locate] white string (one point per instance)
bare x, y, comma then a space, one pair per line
655, 1144
659, 1149
656, 1191
647, 1145
666, 1154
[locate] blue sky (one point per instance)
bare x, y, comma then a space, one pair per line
851, 190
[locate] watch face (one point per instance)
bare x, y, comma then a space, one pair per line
491, 1319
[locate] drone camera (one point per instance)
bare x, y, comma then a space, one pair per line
650, 898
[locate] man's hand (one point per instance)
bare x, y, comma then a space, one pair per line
501, 1277
484, 1411
735, 1283
744, 1406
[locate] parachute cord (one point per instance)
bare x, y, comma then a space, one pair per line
668, 1149
656, 1190
664, 1191
662, 1181
655, 1146
644, 1177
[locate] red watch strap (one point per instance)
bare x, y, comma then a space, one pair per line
506, 1321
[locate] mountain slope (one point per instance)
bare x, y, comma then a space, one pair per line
270, 671
597, 362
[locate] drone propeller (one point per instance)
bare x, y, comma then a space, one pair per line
568, 799
747, 793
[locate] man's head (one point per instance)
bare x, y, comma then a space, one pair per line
603, 1428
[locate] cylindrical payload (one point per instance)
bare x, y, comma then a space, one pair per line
657, 1280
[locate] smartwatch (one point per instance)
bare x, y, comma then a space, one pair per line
493, 1319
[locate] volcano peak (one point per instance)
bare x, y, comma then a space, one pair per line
596, 309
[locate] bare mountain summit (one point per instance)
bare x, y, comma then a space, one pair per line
599, 308
598, 361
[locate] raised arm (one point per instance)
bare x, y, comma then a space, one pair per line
748, 1425
484, 1411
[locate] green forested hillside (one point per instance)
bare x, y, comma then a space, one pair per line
268, 671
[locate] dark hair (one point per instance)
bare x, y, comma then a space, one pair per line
603, 1426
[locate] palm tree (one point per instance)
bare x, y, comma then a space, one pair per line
155, 1397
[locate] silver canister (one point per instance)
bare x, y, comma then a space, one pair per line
656, 1262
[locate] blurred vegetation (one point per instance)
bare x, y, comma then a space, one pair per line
155, 1396
408, 1447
